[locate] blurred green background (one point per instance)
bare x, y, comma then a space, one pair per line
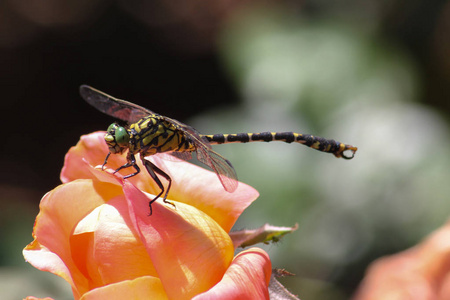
375, 74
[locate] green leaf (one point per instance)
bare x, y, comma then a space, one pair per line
265, 234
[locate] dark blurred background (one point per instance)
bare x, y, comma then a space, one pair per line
374, 73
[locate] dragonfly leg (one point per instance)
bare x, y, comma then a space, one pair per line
153, 170
131, 163
106, 160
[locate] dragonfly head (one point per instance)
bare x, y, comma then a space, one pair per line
117, 138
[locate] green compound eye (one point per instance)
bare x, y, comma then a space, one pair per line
112, 128
121, 134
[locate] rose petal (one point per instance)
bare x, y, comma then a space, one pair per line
181, 243
417, 273
247, 278
145, 287
45, 260
91, 148
106, 250
60, 211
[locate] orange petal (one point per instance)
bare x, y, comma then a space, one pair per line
60, 211
189, 250
90, 149
421, 272
247, 278
106, 250
145, 287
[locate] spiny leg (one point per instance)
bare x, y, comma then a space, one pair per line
152, 170
106, 160
131, 163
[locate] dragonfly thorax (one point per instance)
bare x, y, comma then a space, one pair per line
155, 134
117, 138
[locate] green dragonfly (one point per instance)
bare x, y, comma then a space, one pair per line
149, 133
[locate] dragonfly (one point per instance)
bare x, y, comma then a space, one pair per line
148, 133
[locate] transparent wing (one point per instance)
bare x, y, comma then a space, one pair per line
191, 132
220, 165
179, 155
121, 109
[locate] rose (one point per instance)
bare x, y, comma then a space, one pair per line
95, 232
421, 272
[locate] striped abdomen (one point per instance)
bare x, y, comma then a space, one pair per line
315, 142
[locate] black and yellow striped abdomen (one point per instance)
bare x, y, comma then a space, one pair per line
318, 143
154, 134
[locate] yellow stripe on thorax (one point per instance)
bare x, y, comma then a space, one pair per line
153, 135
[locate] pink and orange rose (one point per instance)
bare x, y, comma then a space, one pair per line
419, 273
95, 232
